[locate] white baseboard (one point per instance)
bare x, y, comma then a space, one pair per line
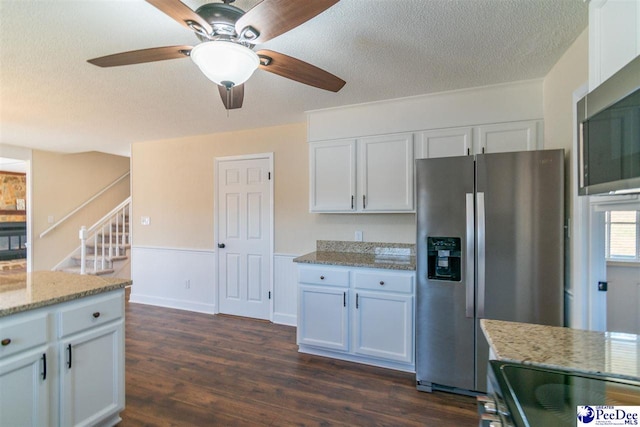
172, 303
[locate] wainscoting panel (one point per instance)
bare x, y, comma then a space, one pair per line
176, 278
285, 290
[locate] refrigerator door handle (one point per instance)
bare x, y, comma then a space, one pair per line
481, 253
469, 270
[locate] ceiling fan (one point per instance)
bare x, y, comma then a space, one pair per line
228, 36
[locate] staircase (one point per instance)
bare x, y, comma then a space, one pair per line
104, 247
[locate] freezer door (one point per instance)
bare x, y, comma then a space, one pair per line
445, 305
520, 244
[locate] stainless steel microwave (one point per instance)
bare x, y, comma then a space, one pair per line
609, 135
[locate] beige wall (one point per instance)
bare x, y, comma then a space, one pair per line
566, 76
61, 183
173, 184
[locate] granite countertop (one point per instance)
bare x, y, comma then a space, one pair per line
27, 291
610, 353
392, 256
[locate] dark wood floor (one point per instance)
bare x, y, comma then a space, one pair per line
189, 369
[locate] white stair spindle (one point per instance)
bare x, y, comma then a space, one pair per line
95, 253
83, 249
102, 255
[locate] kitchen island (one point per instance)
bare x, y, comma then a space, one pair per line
613, 354
61, 349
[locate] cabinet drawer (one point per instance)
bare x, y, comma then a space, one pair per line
22, 333
324, 276
383, 281
91, 312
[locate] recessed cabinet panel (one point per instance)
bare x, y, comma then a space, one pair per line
444, 143
323, 317
24, 393
614, 37
92, 375
332, 167
507, 137
386, 173
384, 326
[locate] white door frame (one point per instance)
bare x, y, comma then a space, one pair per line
217, 161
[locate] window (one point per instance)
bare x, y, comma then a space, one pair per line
623, 235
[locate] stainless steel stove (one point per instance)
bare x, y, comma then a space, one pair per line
523, 395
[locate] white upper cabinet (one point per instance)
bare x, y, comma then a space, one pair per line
444, 143
332, 167
385, 180
614, 37
490, 138
506, 137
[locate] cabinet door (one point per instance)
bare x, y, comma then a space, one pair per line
507, 137
614, 37
385, 180
323, 317
24, 392
443, 143
92, 375
332, 176
383, 326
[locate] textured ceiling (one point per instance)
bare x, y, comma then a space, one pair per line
52, 99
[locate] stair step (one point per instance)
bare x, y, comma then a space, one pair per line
105, 247
91, 257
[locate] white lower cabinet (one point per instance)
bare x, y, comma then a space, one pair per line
325, 321
358, 314
63, 365
91, 362
384, 326
24, 389
91, 381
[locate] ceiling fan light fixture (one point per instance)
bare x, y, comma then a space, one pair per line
223, 61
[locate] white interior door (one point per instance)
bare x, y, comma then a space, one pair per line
244, 236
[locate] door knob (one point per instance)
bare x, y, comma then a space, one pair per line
221, 245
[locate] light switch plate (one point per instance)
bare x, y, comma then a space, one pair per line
358, 236
145, 220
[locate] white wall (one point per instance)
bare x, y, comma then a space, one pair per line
466, 107
623, 298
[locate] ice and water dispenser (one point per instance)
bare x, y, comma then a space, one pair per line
444, 257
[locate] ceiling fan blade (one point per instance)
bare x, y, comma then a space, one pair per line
298, 70
233, 97
183, 14
141, 56
274, 17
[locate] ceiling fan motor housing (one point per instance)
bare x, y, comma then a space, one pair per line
222, 18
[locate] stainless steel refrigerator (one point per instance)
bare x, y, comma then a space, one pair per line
490, 244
